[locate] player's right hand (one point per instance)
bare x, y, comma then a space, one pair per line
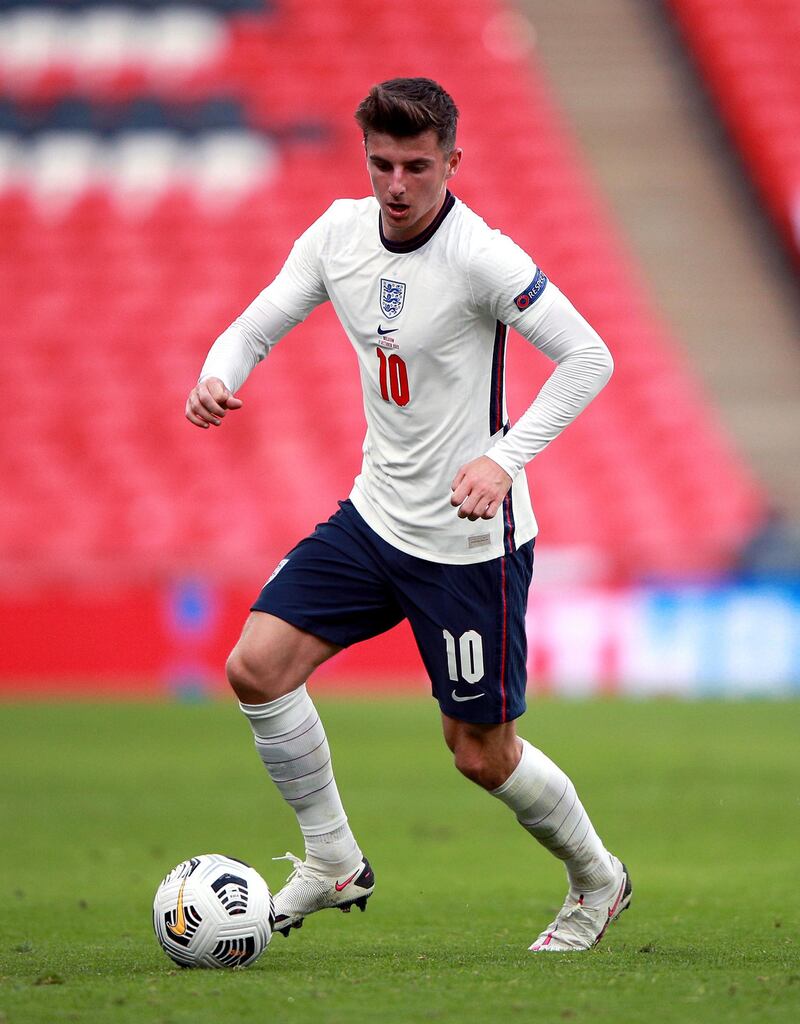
208, 402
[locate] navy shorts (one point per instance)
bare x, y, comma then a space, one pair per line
344, 583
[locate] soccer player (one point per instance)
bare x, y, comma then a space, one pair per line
438, 527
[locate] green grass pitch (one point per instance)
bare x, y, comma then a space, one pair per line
701, 799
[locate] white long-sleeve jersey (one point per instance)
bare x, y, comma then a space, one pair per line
428, 320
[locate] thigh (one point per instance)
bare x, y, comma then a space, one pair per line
469, 624
273, 658
333, 585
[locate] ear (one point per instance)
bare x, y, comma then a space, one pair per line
453, 163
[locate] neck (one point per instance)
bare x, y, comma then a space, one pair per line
421, 235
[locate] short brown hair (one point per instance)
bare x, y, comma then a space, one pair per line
409, 106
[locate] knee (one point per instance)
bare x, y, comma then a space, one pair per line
250, 677
469, 760
481, 765
485, 754
241, 677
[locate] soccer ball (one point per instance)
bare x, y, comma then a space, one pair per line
213, 911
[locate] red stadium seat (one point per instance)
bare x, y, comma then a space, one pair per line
111, 311
747, 50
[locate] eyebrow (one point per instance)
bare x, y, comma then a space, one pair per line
423, 160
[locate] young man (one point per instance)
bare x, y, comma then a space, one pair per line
438, 527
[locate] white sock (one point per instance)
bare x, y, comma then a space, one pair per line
546, 804
292, 744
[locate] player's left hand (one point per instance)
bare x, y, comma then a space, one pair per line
479, 488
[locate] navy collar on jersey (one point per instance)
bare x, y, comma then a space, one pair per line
424, 236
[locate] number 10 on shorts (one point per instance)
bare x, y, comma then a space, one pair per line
469, 653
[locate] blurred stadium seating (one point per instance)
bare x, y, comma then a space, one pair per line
747, 51
150, 186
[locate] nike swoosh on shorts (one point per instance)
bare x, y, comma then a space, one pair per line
473, 696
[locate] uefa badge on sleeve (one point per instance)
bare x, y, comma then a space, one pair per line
393, 295
532, 292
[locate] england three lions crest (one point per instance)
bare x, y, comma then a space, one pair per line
393, 295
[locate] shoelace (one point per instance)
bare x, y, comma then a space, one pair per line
298, 865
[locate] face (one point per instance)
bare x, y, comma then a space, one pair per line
409, 178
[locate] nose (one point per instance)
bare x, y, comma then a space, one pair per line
397, 185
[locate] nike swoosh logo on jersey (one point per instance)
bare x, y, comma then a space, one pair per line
343, 885
392, 330
473, 696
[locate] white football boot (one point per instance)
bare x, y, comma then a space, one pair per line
307, 890
582, 921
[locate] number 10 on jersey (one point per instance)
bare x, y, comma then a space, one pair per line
393, 378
